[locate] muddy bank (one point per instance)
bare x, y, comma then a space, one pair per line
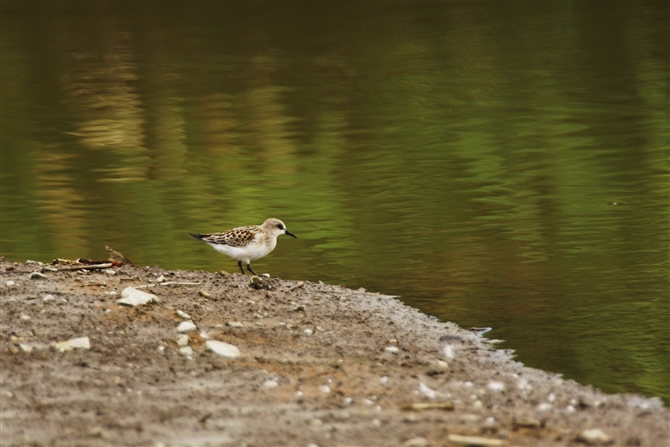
318, 364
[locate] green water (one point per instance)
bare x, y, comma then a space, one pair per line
494, 164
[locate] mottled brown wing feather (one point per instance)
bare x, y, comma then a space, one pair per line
237, 237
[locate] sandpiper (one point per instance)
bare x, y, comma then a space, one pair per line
247, 243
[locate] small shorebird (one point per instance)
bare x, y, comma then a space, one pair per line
247, 243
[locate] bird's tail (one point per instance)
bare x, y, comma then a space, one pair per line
196, 236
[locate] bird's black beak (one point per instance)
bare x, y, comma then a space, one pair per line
290, 234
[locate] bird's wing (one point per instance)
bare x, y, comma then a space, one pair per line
237, 237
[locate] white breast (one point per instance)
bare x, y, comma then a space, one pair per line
247, 253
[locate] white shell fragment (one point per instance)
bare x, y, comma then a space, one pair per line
496, 386
186, 351
183, 314
426, 391
222, 349
186, 326
594, 436
182, 340
133, 297
75, 343
37, 275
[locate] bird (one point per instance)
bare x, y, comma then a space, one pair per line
246, 244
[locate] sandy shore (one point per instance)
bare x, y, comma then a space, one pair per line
318, 365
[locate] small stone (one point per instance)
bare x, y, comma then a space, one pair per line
222, 349
392, 349
594, 436
186, 351
300, 308
416, 442
109, 272
37, 275
234, 324
47, 298
160, 278
186, 326
544, 406
496, 386
183, 314
134, 297
13, 349
10, 283
442, 365
75, 343
384, 380
25, 317
203, 293
376, 423
316, 422
97, 432
325, 389
268, 384
26, 347
182, 340
308, 332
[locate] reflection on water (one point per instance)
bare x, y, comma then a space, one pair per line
495, 165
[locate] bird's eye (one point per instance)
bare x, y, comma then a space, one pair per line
280, 226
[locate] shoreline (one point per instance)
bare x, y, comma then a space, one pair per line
318, 364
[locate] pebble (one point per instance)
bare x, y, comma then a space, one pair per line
186, 351
325, 389
384, 380
10, 283
133, 297
392, 349
204, 293
448, 351
544, 406
347, 400
316, 422
442, 365
186, 326
47, 298
183, 314
37, 275
75, 343
594, 436
26, 347
308, 332
234, 324
160, 278
268, 384
496, 386
376, 423
25, 317
222, 349
182, 340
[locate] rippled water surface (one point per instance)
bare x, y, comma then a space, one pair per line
494, 164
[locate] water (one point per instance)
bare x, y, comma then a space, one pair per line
494, 164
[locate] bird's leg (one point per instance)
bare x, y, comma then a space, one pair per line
250, 269
240, 264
